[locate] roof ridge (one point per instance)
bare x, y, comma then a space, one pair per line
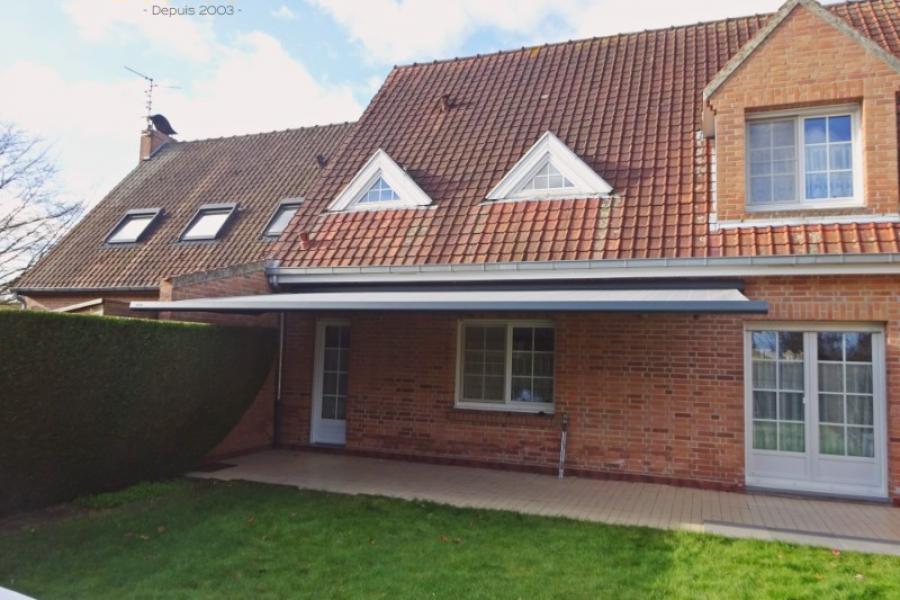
274, 131
623, 34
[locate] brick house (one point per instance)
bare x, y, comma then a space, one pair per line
680, 244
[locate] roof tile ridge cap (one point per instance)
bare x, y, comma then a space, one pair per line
667, 28
305, 128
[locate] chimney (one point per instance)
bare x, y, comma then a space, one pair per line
151, 141
157, 135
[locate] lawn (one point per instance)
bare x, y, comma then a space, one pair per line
190, 539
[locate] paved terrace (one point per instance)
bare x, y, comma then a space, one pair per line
845, 525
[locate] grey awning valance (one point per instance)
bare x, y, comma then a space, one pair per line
725, 300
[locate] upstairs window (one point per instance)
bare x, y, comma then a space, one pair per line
132, 227
282, 217
208, 223
806, 160
379, 191
548, 178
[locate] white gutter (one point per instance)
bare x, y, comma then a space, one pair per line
642, 268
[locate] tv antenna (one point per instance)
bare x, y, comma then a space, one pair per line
148, 93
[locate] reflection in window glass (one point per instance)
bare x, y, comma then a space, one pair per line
846, 394
779, 414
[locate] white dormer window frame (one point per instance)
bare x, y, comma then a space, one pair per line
380, 165
586, 183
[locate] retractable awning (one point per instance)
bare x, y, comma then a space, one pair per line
723, 300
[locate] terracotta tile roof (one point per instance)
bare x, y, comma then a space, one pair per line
254, 171
629, 105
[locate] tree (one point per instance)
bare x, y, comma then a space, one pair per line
32, 217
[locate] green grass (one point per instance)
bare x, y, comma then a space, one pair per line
185, 539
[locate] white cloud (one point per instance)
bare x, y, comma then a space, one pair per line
93, 127
103, 20
283, 12
393, 31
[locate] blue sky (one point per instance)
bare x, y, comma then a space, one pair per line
274, 64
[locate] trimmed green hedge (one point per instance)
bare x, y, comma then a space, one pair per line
90, 404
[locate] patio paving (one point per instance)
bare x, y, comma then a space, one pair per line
844, 525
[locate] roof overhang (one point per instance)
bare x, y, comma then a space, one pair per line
649, 300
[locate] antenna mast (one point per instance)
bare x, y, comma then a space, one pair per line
148, 92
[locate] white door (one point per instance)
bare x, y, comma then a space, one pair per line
815, 409
329, 405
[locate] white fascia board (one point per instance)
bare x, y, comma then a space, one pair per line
588, 184
736, 266
380, 164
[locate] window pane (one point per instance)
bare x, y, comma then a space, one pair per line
329, 383
859, 379
842, 184
791, 406
765, 435
543, 339
764, 344
817, 186
131, 229
764, 375
816, 158
814, 130
484, 363
783, 133
328, 407
521, 364
380, 191
859, 346
861, 442
760, 135
760, 189
831, 408
521, 389
860, 410
791, 376
522, 338
839, 129
791, 437
281, 220
495, 338
790, 345
840, 156
340, 411
207, 225
543, 364
493, 389
830, 345
831, 439
764, 405
495, 362
543, 390
472, 387
831, 377
332, 359
783, 189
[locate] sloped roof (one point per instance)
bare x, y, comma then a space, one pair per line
254, 171
628, 105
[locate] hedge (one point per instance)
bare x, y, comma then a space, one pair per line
91, 404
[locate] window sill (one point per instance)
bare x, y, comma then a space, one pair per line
537, 409
805, 206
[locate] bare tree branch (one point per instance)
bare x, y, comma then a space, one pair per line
32, 217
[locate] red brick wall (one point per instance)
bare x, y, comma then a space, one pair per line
254, 431
648, 396
807, 62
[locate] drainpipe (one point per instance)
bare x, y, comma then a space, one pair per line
277, 409
563, 427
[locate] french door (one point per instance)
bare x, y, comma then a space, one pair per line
815, 409
329, 399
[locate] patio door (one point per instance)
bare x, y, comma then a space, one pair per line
329, 399
815, 409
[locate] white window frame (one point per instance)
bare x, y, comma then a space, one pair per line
801, 203
507, 405
153, 213
282, 205
380, 164
229, 209
880, 414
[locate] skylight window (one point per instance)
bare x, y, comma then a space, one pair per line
208, 223
548, 177
380, 191
283, 215
132, 227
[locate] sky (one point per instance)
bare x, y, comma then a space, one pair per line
271, 64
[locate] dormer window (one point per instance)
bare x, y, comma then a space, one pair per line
131, 228
550, 170
805, 160
381, 184
548, 178
208, 223
379, 192
286, 210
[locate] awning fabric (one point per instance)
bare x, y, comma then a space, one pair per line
725, 300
